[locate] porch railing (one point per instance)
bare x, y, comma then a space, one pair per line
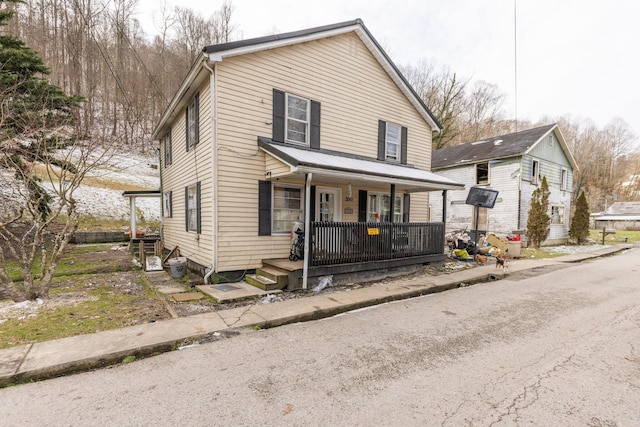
348, 242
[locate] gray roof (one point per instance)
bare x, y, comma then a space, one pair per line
317, 30
513, 144
333, 164
624, 208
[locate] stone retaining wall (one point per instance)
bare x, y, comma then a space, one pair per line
99, 237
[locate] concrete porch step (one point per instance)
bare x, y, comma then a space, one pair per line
269, 278
262, 282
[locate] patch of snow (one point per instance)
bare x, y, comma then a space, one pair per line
572, 249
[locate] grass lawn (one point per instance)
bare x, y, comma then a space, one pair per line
621, 236
95, 289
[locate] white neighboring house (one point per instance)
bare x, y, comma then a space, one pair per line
514, 165
621, 216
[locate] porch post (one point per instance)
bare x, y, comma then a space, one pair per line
132, 205
392, 195
307, 226
444, 209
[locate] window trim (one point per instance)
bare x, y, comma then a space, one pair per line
535, 172
488, 180
167, 204
561, 215
274, 231
398, 157
287, 118
398, 216
564, 179
168, 150
192, 122
195, 210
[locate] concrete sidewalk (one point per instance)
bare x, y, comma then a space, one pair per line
80, 353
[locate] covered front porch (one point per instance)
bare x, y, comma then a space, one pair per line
338, 186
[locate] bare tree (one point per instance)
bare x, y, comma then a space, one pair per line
444, 93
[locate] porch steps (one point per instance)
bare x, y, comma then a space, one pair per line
268, 279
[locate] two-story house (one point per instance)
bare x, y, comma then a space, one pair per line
514, 165
316, 126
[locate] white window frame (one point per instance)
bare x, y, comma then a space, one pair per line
192, 122
168, 155
167, 198
378, 208
535, 172
560, 215
564, 179
392, 141
192, 208
285, 229
292, 120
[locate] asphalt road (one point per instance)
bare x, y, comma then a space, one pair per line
558, 348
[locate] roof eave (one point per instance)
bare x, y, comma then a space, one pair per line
356, 26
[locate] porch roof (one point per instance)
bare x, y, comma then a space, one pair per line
334, 166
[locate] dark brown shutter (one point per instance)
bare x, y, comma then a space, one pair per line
186, 127
362, 206
198, 209
197, 117
278, 124
186, 208
382, 133
264, 208
406, 207
314, 140
403, 146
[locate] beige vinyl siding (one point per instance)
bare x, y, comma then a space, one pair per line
275, 167
187, 169
354, 92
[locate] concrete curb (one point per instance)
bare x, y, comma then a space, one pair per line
49, 359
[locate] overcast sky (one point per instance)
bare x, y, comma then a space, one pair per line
577, 57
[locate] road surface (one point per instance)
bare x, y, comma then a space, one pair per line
561, 348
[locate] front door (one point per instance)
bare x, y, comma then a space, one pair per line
328, 204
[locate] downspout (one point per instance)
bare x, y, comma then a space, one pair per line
444, 209
161, 195
307, 226
214, 172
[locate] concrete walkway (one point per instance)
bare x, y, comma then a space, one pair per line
79, 353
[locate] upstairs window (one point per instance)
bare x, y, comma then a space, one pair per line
564, 179
192, 122
392, 142
482, 174
297, 119
535, 172
166, 145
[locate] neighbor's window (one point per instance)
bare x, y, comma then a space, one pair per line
482, 173
167, 201
381, 204
193, 122
557, 214
192, 208
535, 172
287, 208
564, 179
297, 119
392, 142
166, 142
